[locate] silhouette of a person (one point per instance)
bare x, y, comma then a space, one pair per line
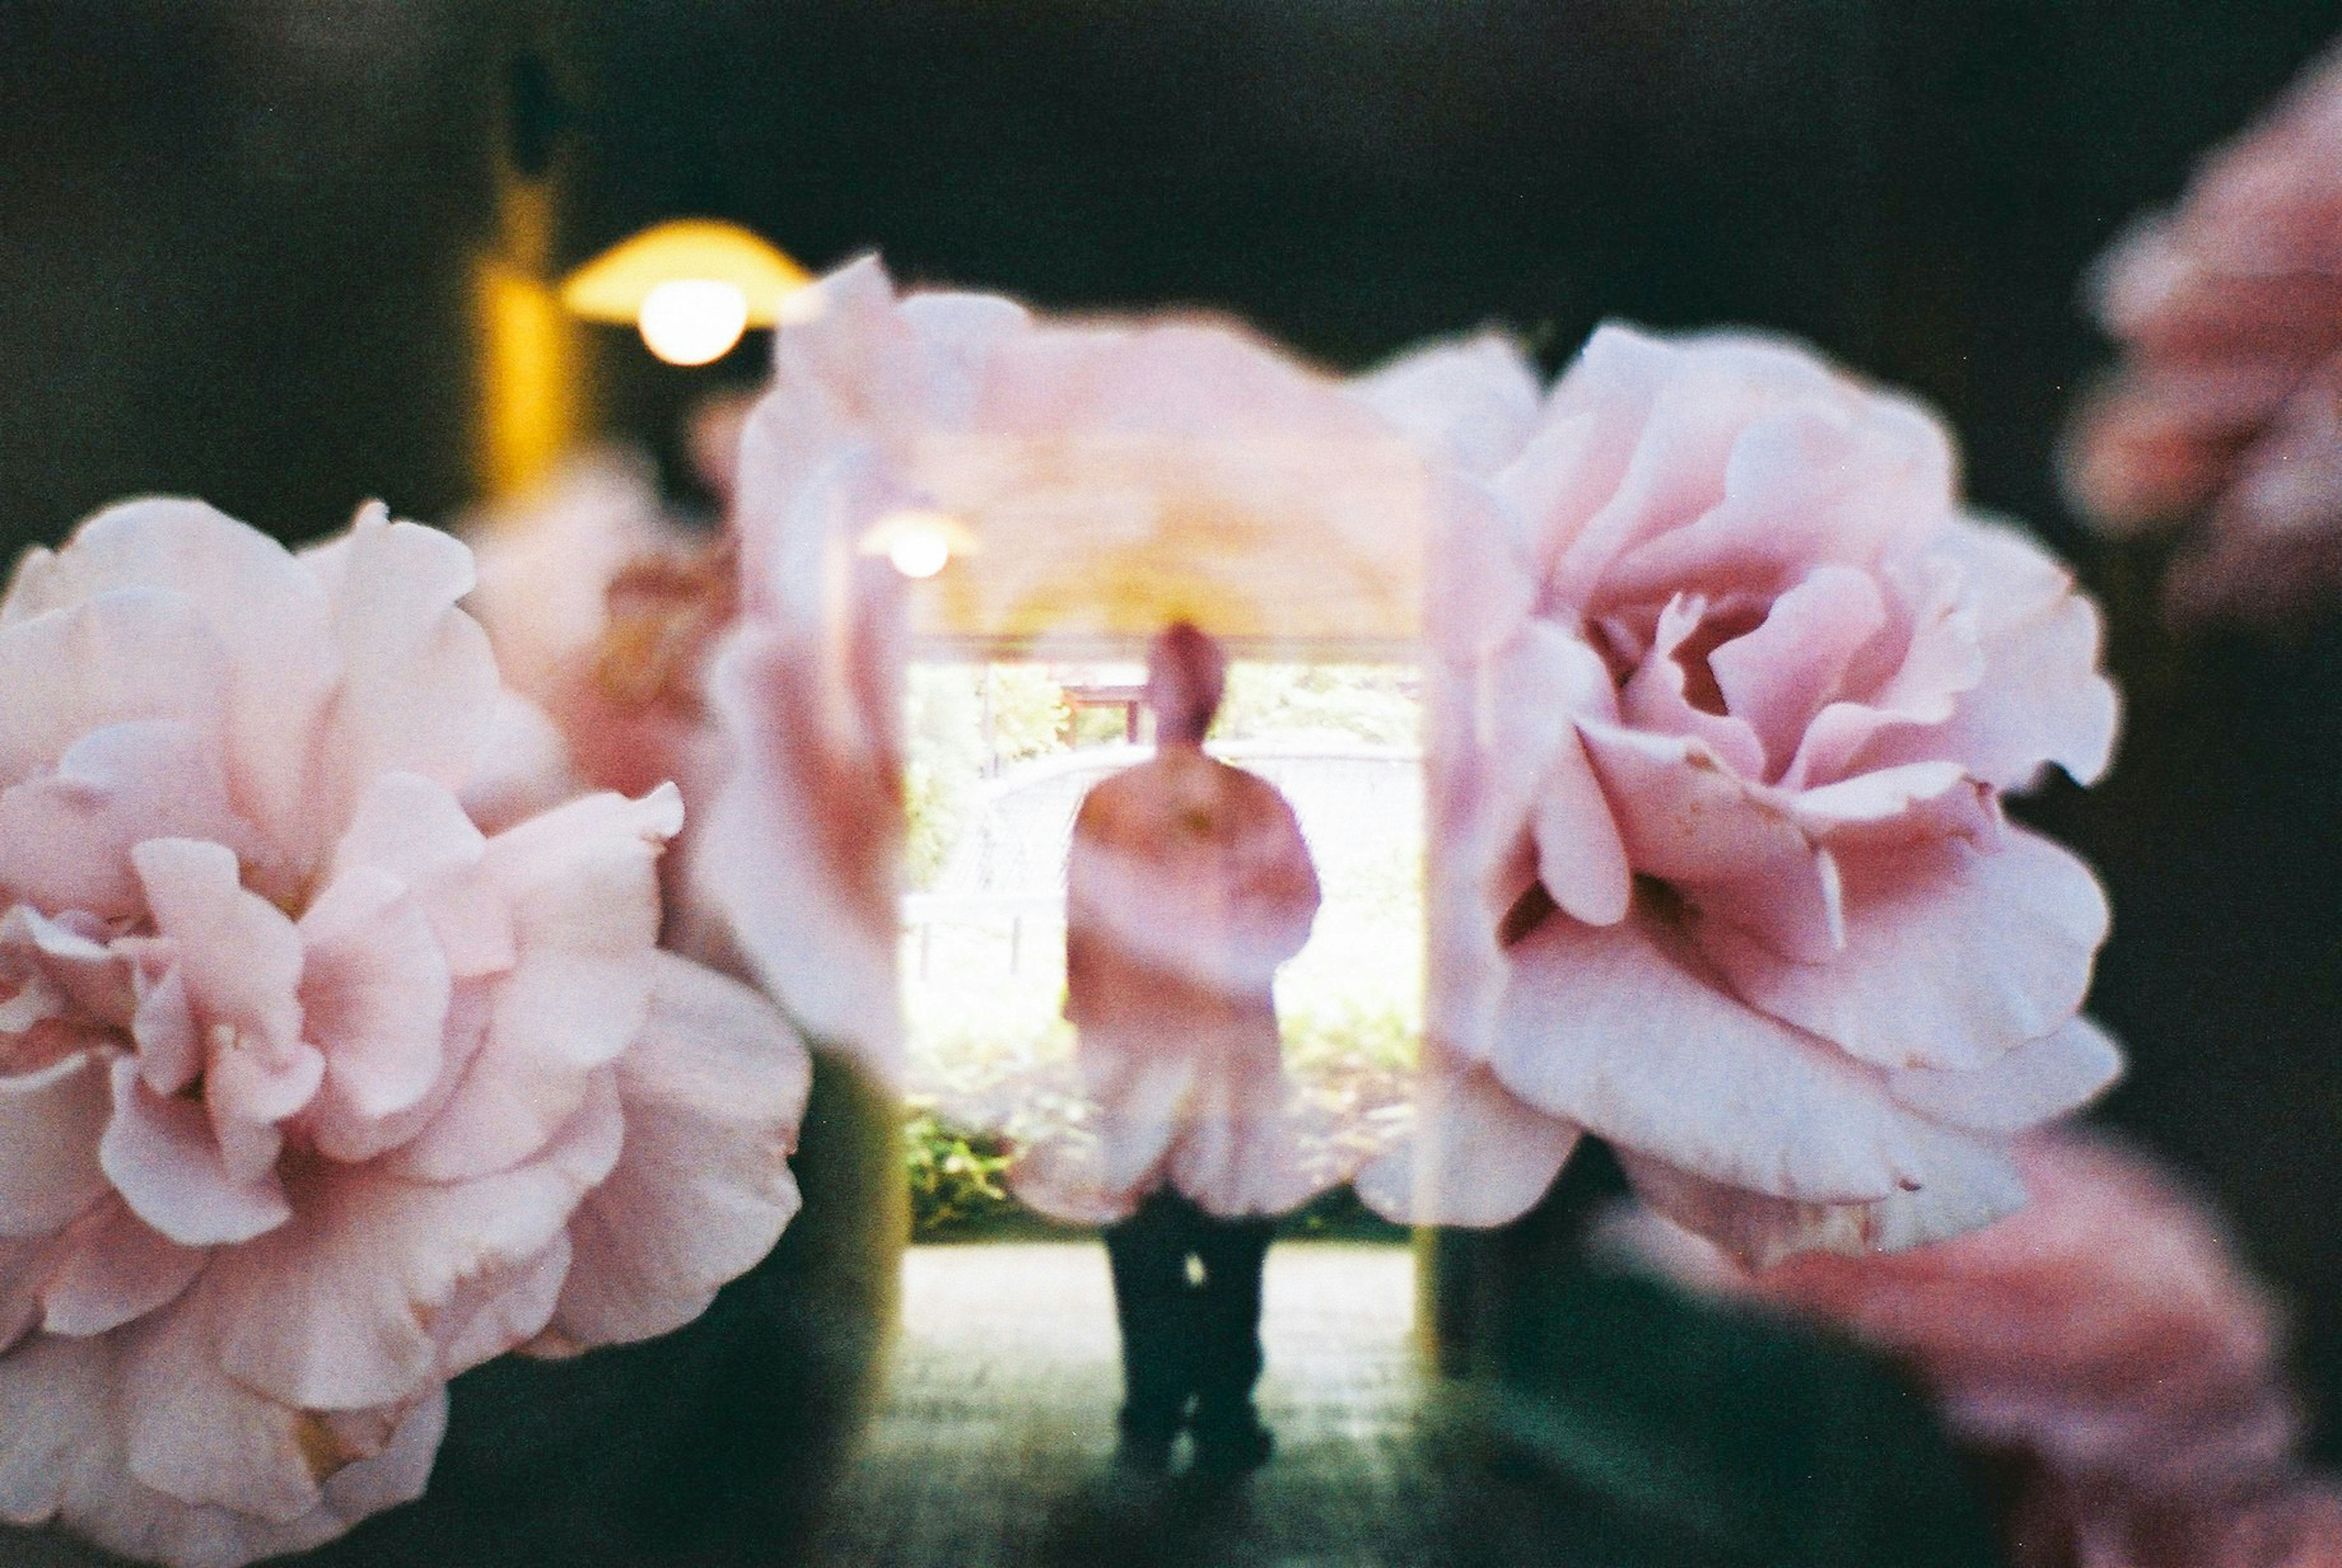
1188, 884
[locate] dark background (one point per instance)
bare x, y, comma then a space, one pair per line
234, 239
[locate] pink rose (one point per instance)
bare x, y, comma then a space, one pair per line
2225, 415
2110, 1338
1727, 689
312, 1096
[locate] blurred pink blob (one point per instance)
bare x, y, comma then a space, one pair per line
2225, 415
313, 1095
2107, 1339
605, 610
1726, 690
802, 845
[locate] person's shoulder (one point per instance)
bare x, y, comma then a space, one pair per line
1249, 784
1116, 796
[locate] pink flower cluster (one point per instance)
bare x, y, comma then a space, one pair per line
2225, 414
2109, 1339
1726, 688
312, 1094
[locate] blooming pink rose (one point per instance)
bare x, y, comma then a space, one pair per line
2110, 1338
312, 1095
2225, 414
1726, 690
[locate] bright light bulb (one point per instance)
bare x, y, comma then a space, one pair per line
693, 320
919, 549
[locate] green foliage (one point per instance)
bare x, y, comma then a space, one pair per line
1372, 702
1030, 715
1098, 727
1331, 1039
941, 720
955, 1176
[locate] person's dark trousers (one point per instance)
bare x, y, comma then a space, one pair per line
1186, 1337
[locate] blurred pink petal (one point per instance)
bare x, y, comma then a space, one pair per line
2224, 416
2107, 1334
1479, 1155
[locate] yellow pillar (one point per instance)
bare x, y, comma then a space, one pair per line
532, 365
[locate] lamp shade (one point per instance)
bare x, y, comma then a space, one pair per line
614, 285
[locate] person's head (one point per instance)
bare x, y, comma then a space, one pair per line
1185, 672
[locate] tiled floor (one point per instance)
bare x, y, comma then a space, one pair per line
992, 1445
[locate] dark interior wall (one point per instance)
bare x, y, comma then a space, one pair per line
231, 255
232, 242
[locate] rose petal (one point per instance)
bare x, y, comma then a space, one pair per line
1777, 678
201, 1437
1610, 1028
1953, 953
375, 991
119, 1269
127, 654
2033, 1084
713, 1086
1689, 821
1473, 398
2041, 698
56, 1391
1479, 1155
240, 955
340, 1307
50, 1124
162, 1157
66, 835
582, 884
416, 830
170, 1048
419, 685
271, 669
505, 1309
1968, 1192
1655, 698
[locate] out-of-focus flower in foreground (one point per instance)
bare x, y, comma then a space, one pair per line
1091, 441
2225, 413
1727, 689
312, 1095
2108, 1341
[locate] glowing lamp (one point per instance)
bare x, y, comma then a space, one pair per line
692, 286
918, 542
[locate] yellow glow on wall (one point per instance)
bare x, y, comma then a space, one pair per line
691, 286
529, 365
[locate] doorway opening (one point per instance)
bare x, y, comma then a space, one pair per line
1000, 755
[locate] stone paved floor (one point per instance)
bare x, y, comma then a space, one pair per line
994, 1442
